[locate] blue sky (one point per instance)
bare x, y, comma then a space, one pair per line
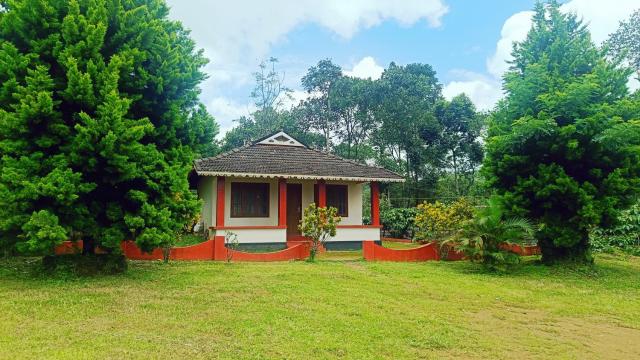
467, 42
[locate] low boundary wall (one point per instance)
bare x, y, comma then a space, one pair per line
215, 249
374, 252
212, 249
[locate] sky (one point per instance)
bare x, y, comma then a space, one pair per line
467, 42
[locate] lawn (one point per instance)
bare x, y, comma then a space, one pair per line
335, 308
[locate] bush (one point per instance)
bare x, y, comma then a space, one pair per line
438, 220
625, 236
398, 222
481, 239
318, 224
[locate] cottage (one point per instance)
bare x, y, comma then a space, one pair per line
258, 191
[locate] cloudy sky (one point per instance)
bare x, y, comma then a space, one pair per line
467, 42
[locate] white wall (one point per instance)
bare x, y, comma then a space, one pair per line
207, 190
356, 234
206, 186
246, 236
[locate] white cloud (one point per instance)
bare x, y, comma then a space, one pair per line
601, 17
237, 35
483, 90
514, 29
226, 110
233, 30
367, 68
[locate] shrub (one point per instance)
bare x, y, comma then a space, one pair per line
398, 222
318, 224
231, 243
481, 238
438, 220
625, 236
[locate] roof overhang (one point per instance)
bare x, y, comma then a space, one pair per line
296, 176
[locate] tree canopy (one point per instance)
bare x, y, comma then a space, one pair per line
99, 123
563, 145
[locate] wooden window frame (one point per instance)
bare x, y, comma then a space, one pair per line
328, 188
241, 213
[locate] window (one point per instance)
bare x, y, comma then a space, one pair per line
337, 197
249, 199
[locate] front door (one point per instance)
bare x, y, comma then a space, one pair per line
294, 209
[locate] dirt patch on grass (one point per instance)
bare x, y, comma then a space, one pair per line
533, 334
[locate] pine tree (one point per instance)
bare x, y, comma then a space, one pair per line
563, 147
99, 123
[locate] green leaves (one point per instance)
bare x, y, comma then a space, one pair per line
564, 146
99, 123
318, 224
42, 233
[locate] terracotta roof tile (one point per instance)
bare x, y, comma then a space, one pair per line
289, 161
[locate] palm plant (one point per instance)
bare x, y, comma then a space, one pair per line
483, 238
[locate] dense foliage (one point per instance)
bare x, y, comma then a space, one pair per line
563, 147
482, 239
99, 123
625, 236
438, 220
397, 222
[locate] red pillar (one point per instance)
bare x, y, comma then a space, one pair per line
220, 202
282, 198
322, 194
375, 204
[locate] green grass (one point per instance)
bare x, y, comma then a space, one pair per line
329, 309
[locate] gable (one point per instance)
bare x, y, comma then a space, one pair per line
281, 138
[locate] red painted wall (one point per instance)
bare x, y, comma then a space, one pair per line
375, 204
220, 201
374, 252
213, 249
322, 194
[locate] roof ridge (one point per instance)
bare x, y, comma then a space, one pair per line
226, 153
353, 161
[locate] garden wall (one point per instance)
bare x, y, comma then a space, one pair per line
213, 249
374, 252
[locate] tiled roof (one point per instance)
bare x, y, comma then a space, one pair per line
262, 160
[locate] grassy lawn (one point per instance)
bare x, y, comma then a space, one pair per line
330, 309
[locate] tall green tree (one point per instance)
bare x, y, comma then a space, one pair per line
409, 132
460, 140
99, 123
564, 146
269, 94
320, 114
354, 101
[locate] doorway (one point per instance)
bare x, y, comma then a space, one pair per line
294, 209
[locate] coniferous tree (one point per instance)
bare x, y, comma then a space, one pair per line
563, 147
99, 123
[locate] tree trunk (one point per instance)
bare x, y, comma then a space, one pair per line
88, 246
579, 253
